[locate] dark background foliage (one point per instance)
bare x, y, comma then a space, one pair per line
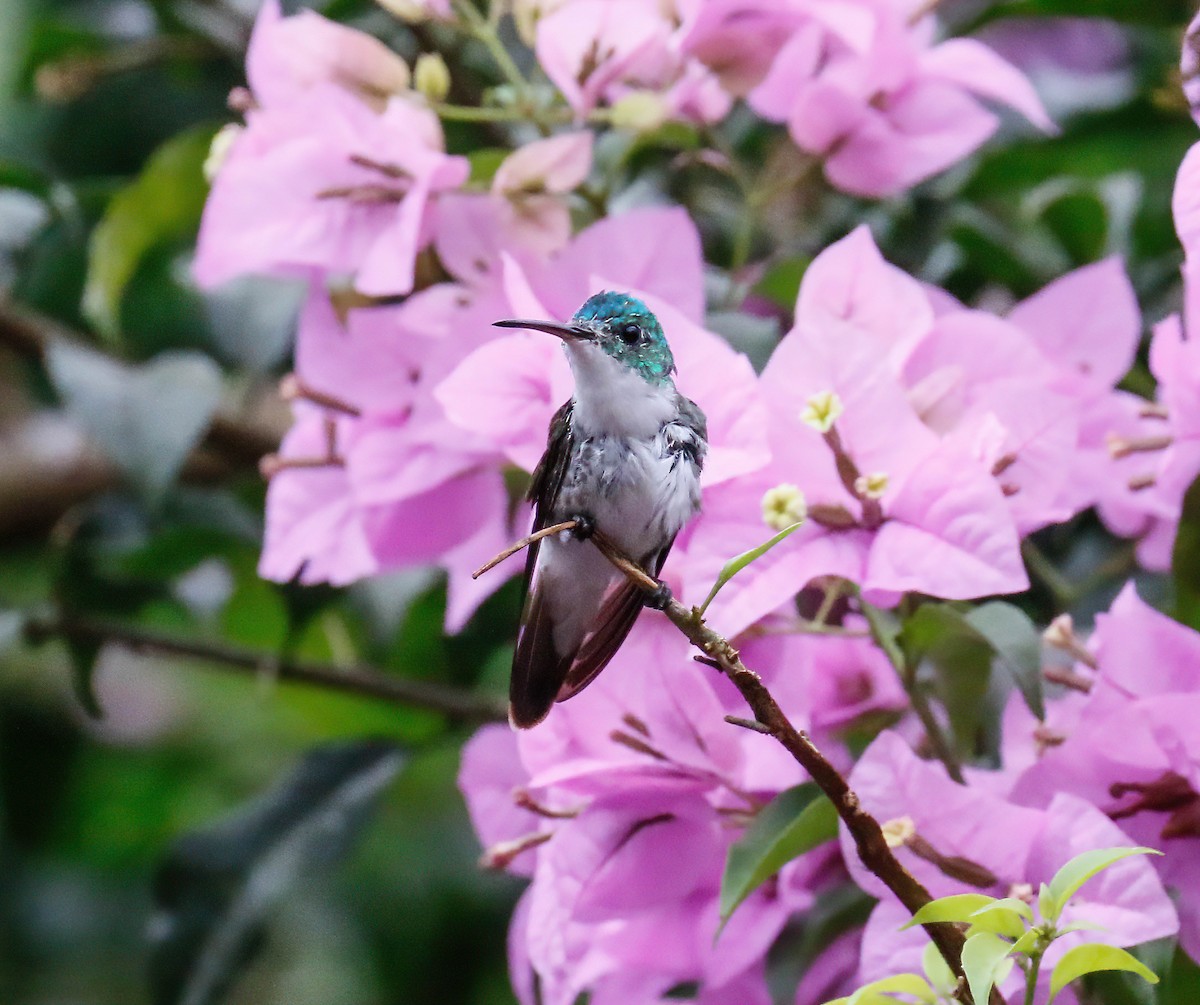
106, 111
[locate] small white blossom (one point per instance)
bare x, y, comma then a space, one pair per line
783, 506
822, 410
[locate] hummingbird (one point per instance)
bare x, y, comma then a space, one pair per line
623, 457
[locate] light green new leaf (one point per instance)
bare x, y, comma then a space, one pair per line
1046, 904
1081, 926
736, 565
1026, 942
162, 204
982, 957
1094, 957
796, 821
957, 907
1001, 920
904, 984
1079, 870
1013, 904
941, 977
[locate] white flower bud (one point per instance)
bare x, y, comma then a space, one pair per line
431, 76
218, 151
871, 486
783, 506
640, 111
898, 832
822, 410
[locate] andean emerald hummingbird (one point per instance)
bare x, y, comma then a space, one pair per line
623, 457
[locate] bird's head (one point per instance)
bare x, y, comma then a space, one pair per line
619, 325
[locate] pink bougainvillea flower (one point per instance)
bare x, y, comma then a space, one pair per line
890, 505
603, 50
324, 184
1144, 690
1189, 66
660, 254
959, 839
529, 187
1175, 363
288, 55
883, 108
630, 797
314, 530
1087, 323
556, 164
507, 391
384, 468
586, 45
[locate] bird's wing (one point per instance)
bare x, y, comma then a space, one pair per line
538, 671
608, 630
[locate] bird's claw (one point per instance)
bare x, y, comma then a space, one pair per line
585, 526
659, 598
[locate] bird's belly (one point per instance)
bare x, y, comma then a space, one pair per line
638, 494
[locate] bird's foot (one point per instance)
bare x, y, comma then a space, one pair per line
585, 526
659, 598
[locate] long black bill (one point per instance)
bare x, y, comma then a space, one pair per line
566, 332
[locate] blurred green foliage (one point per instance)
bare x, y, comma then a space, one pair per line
100, 192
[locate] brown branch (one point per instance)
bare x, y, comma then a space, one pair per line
454, 703
869, 840
525, 542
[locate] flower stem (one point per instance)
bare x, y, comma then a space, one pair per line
471, 113
1031, 975
885, 638
482, 29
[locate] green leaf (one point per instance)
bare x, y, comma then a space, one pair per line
146, 418
1045, 902
1079, 870
162, 204
1093, 957
215, 887
12, 624
961, 659
982, 957
1185, 560
485, 162
781, 282
904, 984
83, 656
794, 822
1014, 904
885, 630
1000, 920
956, 907
1018, 648
1027, 942
941, 977
736, 565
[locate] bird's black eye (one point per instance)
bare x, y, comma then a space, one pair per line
631, 333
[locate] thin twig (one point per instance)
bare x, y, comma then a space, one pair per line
751, 724
872, 847
362, 680
525, 542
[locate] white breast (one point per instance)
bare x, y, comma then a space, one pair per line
613, 400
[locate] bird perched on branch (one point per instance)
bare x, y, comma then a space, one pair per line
623, 458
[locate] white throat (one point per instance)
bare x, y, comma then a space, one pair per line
613, 400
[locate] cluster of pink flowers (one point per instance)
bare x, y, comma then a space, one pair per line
860, 84
920, 440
